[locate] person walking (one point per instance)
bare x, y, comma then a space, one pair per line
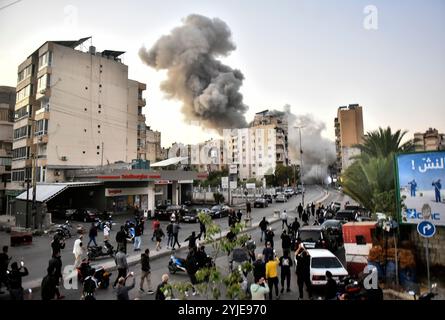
251, 246
122, 289
159, 234
192, 240
313, 209
202, 230
92, 234
268, 252
285, 241
300, 210
57, 244
90, 285
55, 266
78, 251
248, 210
413, 187
48, 286
259, 289
305, 218
145, 271
169, 235
154, 225
331, 287
15, 281
259, 268
272, 276
137, 236
303, 271
285, 264
239, 216
163, 291
192, 267
122, 266
283, 217
4, 264
107, 232
121, 239
175, 231
263, 226
269, 236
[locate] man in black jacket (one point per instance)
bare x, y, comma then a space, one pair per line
92, 234
202, 230
192, 267
303, 270
285, 241
4, 263
192, 240
121, 239
15, 281
55, 268
269, 236
162, 289
146, 271
57, 244
259, 268
268, 252
300, 210
263, 226
285, 264
331, 287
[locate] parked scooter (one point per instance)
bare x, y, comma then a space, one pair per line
64, 230
100, 251
102, 276
176, 264
429, 295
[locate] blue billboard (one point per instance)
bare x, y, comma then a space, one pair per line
420, 177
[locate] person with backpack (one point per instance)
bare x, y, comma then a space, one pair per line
263, 226
90, 284
159, 234
285, 264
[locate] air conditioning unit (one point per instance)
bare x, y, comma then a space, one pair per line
63, 158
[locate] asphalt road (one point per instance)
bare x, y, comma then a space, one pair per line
159, 265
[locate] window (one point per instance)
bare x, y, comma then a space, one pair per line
41, 127
22, 132
23, 112
18, 175
25, 73
43, 82
24, 93
45, 59
20, 153
5, 161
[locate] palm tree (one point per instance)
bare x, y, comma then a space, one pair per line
382, 143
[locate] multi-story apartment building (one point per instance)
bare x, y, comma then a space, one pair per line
153, 150
7, 103
74, 109
430, 140
348, 132
208, 156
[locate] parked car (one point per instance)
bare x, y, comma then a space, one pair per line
86, 214
281, 198
219, 211
164, 212
346, 215
321, 261
190, 216
261, 203
289, 192
69, 213
268, 197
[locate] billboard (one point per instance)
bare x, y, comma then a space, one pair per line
419, 179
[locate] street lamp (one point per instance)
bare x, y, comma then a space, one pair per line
301, 166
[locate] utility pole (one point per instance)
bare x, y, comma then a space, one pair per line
34, 186
102, 160
301, 167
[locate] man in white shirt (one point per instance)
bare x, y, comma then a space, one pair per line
78, 251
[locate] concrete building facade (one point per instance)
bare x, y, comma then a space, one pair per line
76, 110
430, 140
348, 132
7, 103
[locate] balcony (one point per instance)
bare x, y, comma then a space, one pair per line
41, 139
141, 118
142, 102
42, 113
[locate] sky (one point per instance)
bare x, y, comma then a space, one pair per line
314, 55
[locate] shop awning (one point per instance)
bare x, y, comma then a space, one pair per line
168, 162
47, 191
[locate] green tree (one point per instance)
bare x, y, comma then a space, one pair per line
283, 174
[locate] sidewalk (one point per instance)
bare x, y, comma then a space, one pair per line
134, 258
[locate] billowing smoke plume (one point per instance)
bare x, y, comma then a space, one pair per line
208, 89
318, 152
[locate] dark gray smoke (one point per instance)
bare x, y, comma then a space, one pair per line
318, 152
208, 89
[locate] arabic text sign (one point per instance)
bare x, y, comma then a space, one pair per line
420, 177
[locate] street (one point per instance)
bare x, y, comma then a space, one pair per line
38, 254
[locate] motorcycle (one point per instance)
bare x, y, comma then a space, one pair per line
429, 295
102, 276
176, 264
100, 251
64, 230
352, 287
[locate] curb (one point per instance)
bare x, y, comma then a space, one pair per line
133, 260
